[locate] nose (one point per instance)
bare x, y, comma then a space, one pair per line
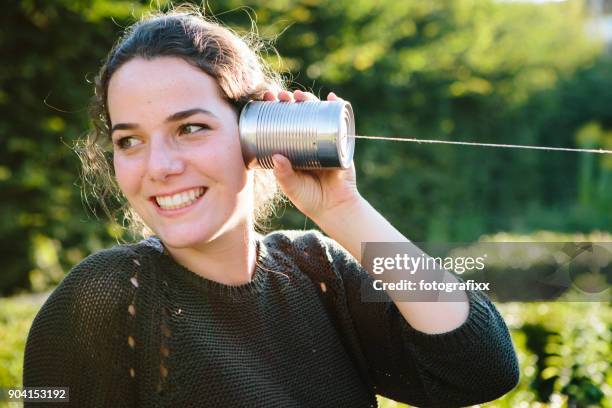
164, 160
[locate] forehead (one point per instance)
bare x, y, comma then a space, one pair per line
149, 89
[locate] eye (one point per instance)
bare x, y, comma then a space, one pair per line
126, 142
192, 128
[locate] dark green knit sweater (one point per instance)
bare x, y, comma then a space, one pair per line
130, 327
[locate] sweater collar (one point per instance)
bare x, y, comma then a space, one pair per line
250, 289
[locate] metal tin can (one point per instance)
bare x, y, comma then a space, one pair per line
311, 134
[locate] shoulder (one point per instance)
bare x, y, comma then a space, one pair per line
98, 285
83, 325
300, 242
314, 253
111, 266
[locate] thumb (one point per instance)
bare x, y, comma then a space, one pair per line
282, 168
288, 179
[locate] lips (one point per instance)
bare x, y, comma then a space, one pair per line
180, 199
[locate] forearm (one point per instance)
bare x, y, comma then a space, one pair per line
356, 222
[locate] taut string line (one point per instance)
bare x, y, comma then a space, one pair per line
564, 149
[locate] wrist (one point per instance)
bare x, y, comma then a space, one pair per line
342, 210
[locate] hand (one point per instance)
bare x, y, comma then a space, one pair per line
313, 192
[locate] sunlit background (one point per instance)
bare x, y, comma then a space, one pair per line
519, 72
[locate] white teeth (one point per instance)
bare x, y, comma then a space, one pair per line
179, 200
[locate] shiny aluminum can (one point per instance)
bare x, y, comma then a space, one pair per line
311, 134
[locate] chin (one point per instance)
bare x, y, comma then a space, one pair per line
192, 237
190, 234
184, 242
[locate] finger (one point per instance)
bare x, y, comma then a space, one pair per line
304, 96
269, 96
285, 96
333, 97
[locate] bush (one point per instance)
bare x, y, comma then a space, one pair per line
16, 316
542, 266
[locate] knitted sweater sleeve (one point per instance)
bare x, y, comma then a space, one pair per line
78, 339
471, 364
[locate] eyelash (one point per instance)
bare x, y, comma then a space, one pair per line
120, 143
202, 125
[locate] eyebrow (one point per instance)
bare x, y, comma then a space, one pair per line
172, 118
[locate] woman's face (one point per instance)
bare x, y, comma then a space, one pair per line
177, 153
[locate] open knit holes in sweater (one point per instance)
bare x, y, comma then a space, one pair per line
164, 328
132, 314
164, 349
322, 284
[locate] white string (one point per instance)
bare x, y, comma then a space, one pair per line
565, 149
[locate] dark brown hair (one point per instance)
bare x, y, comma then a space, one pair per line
234, 61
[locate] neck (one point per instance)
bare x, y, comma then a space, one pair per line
228, 259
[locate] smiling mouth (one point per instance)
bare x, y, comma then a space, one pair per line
179, 200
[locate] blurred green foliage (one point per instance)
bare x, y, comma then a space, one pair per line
51, 50
541, 266
16, 316
463, 70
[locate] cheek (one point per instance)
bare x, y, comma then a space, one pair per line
128, 175
235, 167
226, 162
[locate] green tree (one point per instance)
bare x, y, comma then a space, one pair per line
465, 70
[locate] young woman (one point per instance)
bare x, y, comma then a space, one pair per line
206, 312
